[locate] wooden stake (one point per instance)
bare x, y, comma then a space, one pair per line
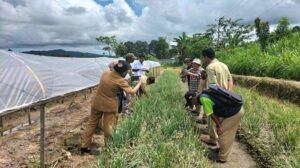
29, 116
42, 136
1, 125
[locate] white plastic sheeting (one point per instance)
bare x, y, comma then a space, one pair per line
25, 78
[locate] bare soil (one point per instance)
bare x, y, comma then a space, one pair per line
64, 126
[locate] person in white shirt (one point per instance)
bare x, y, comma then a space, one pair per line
139, 68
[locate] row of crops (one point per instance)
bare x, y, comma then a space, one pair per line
271, 127
158, 133
281, 60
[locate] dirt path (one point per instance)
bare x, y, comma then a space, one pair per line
239, 157
64, 127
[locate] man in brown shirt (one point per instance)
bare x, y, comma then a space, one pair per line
105, 102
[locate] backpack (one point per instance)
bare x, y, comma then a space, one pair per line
224, 96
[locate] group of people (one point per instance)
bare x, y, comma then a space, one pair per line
122, 80
116, 85
223, 119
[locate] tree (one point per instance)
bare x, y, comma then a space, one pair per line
130, 47
296, 29
141, 47
262, 32
198, 42
162, 48
152, 47
121, 50
182, 45
228, 33
282, 27
282, 30
110, 42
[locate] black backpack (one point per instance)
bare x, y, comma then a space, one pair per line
224, 96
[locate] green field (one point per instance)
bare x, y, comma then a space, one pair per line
272, 129
281, 60
159, 133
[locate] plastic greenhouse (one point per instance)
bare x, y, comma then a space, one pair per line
26, 79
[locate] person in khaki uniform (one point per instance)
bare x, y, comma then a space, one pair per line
217, 74
105, 102
226, 118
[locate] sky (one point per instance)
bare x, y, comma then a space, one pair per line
74, 24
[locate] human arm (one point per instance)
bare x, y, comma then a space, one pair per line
218, 124
125, 86
189, 72
230, 82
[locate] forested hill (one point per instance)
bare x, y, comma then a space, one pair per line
63, 53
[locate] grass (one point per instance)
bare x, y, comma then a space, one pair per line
158, 133
271, 127
282, 59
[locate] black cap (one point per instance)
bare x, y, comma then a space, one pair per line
121, 67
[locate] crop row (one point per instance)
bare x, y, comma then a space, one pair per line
158, 133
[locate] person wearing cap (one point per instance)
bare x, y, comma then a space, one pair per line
183, 75
195, 75
105, 102
226, 118
139, 67
195, 82
129, 58
217, 74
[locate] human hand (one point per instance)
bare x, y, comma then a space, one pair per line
220, 130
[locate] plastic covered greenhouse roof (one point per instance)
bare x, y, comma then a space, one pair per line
26, 79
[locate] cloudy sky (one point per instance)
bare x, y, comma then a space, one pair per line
74, 24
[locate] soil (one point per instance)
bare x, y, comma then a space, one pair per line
64, 126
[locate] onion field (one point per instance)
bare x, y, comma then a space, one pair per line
159, 133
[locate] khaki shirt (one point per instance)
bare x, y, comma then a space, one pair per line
218, 73
106, 99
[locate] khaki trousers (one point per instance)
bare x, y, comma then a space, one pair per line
230, 126
212, 132
109, 119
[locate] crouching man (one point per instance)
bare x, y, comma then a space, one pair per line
225, 113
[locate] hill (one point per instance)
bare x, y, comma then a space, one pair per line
63, 53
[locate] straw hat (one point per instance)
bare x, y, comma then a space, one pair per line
197, 61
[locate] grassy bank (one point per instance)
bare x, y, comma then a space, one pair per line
158, 133
276, 88
282, 59
272, 130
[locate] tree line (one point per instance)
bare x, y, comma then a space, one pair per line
223, 34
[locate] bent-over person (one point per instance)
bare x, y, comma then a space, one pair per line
105, 103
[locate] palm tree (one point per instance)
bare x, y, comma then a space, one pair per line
182, 44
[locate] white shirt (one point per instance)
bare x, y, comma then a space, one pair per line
139, 65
